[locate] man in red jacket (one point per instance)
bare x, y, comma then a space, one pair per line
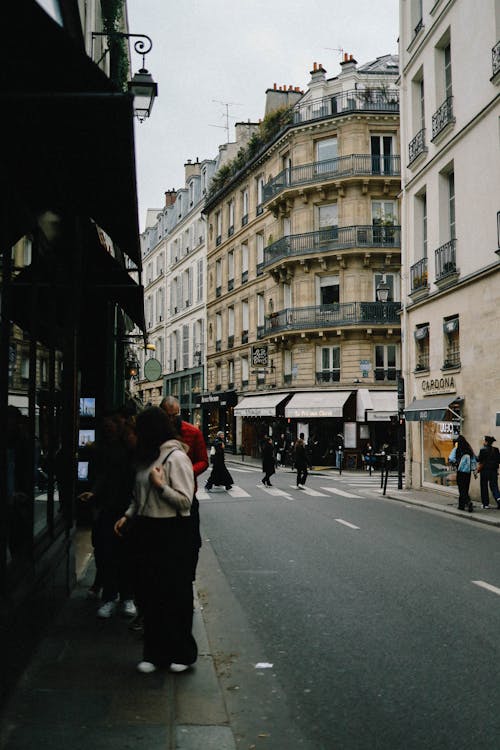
193, 438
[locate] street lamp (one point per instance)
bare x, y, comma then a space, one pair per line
383, 290
142, 86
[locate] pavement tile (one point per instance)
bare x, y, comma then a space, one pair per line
204, 738
80, 737
198, 697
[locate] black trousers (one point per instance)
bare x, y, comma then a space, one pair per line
301, 474
164, 575
463, 484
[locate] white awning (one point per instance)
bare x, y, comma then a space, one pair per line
259, 406
384, 406
317, 404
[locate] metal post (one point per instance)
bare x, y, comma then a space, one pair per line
401, 431
386, 471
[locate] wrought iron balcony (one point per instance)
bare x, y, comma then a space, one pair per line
389, 374
495, 58
353, 165
417, 146
372, 99
446, 259
333, 316
418, 275
442, 117
335, 238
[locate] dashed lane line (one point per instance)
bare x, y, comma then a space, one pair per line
487, 586
346, 523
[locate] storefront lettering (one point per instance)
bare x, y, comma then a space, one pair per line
445, 384
210, 399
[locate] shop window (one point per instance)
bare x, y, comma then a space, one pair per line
451, 333
327, 364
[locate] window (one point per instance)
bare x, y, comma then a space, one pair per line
244, 207
416, 17
383, 219
179, 292
381, 151
451, 205
287, 295
230, 327
218, 228
260, 194
327, 364
259, 243
191, 193
230, 270
244, 371
260, 310
447, 72
451, 331
218, 332
185, 347
244, 322
328, 290
421, 335
287, 367
244, 263
230, 374
204, 180
420, 234
386, 361
218, 378
218, 277
200, 281
326, 151
159, 305
328, 216
230, 217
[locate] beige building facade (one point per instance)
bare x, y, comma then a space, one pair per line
299, 241
450, 111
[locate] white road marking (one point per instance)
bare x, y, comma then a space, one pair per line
203, 494
273, 491
242, 471
335, 491
309, 491
346, 523
236, 491
487, 586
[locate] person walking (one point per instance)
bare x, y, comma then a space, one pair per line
466, 463
219, 474
163, 495
488, 463
197, 453
301, 461
268, 464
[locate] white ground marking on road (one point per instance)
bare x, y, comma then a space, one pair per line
274, 491
346, 523
309, 491
335, 491
238, 492
242, 471
487, 586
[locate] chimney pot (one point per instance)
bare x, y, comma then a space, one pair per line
346, 57
350, 57
315, 66
275, 86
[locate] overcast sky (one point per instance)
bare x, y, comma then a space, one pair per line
231, 52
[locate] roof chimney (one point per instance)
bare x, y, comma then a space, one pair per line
348, 64
170, 196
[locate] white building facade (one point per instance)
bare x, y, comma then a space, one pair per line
450, 110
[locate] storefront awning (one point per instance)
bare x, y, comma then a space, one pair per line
318, 404
433, 409
384, 405
259, 406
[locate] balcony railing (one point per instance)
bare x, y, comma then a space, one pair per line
343, 166
446, 259
332, 316
417, 146
376, 99
328, 376
442, 117
452, 358
418, 275
386, 374
335, 238
495, 58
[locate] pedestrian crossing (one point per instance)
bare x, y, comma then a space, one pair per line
291, 491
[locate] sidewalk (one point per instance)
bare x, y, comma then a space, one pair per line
426, 498
82, 690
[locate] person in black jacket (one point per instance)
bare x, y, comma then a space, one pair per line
301, 461
268, 465
489, 460
219, 474
463, 476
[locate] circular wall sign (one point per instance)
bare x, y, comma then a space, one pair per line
152, 369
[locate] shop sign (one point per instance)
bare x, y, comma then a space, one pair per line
365, 366
260, 356
435, 386
209, 398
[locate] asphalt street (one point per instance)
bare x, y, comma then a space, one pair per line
343, 619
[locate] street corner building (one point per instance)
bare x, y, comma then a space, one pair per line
70, 288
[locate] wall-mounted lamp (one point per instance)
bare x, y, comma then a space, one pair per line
383, 290
142, 86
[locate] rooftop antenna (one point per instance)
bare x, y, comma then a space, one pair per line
336, 49
226, 115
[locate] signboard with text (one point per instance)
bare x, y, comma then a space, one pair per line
260, 356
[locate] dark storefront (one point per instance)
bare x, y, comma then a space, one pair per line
69, 218
218, 414
186, 387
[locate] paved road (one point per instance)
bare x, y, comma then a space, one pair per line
381, 621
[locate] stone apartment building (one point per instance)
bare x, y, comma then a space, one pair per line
303, 236
450, 111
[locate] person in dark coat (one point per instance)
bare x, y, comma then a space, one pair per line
219, 474
463, 477
489, 460
268, 464
301, 461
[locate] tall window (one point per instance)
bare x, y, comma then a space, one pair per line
218, 227
328, 290
244, 371
447, 71
244, 263
386, 361
230, 215
390, 280
159, 305
381, 151
244, 206
328, 364
244, 322
326, 150
421, 335
160, 351
230, 374
259, 242
451, 204
287, 366
185, 347
260, 310
287, 295
188, 287
328, 218
218, 277
218, 332
230, 270
260, 194
200, 280
383, 218
230, 327
451, 331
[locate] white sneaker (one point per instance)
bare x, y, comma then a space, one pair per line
128, 608
106, 610
146, 667
178, 667
300, 486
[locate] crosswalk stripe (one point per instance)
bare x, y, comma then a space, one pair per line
342, 493
235, 491
276, 491
309, 491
